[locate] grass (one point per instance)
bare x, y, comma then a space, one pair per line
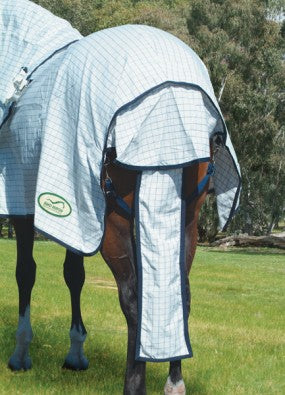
237, 326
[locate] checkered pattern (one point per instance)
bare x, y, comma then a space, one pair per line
145, 92
155, 112
162, 334
29, 34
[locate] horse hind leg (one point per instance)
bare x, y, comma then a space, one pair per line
25, 276
175, 384
193, 175
74, 276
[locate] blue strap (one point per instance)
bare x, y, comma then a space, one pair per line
202, 184
111, 192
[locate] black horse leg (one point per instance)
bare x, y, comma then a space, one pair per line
74, 276
135, 371
25, 276
175, 383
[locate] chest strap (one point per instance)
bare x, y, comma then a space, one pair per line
111, 193
202, 184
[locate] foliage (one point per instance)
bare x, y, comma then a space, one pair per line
89, 16
243, 51
6, 228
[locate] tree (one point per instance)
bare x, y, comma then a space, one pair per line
243, 51
89, 16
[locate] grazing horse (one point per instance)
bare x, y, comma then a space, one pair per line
116, 109
119, 254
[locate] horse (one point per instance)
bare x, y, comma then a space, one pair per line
118, 251
116, 187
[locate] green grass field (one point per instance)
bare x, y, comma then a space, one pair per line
237, 326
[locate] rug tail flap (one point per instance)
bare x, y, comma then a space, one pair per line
160, 232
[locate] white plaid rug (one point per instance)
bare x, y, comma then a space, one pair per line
29, 34
146, 93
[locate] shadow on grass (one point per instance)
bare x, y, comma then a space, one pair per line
247, 251
106, 354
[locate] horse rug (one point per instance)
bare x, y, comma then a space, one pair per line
29, 35
144, 92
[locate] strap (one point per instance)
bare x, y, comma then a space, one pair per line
202, 184
111, 192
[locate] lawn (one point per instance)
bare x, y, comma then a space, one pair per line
237, 326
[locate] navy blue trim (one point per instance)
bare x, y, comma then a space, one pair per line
49, 57
223, 135
162, 167
234, 209
32, 72
163, 85
202, 184
67, 246
16, 216
182, 263
164, 359
138, 265
182, 277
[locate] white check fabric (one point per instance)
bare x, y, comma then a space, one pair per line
29, 34
114, 85
146, 93
162, 334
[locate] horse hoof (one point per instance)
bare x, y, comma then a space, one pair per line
16, 364
70, 364
174, 389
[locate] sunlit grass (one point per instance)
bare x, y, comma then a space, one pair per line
237, 326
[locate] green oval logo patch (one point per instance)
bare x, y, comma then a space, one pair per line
54, 204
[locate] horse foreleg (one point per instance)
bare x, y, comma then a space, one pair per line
118, 253
74, 276
25, 276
